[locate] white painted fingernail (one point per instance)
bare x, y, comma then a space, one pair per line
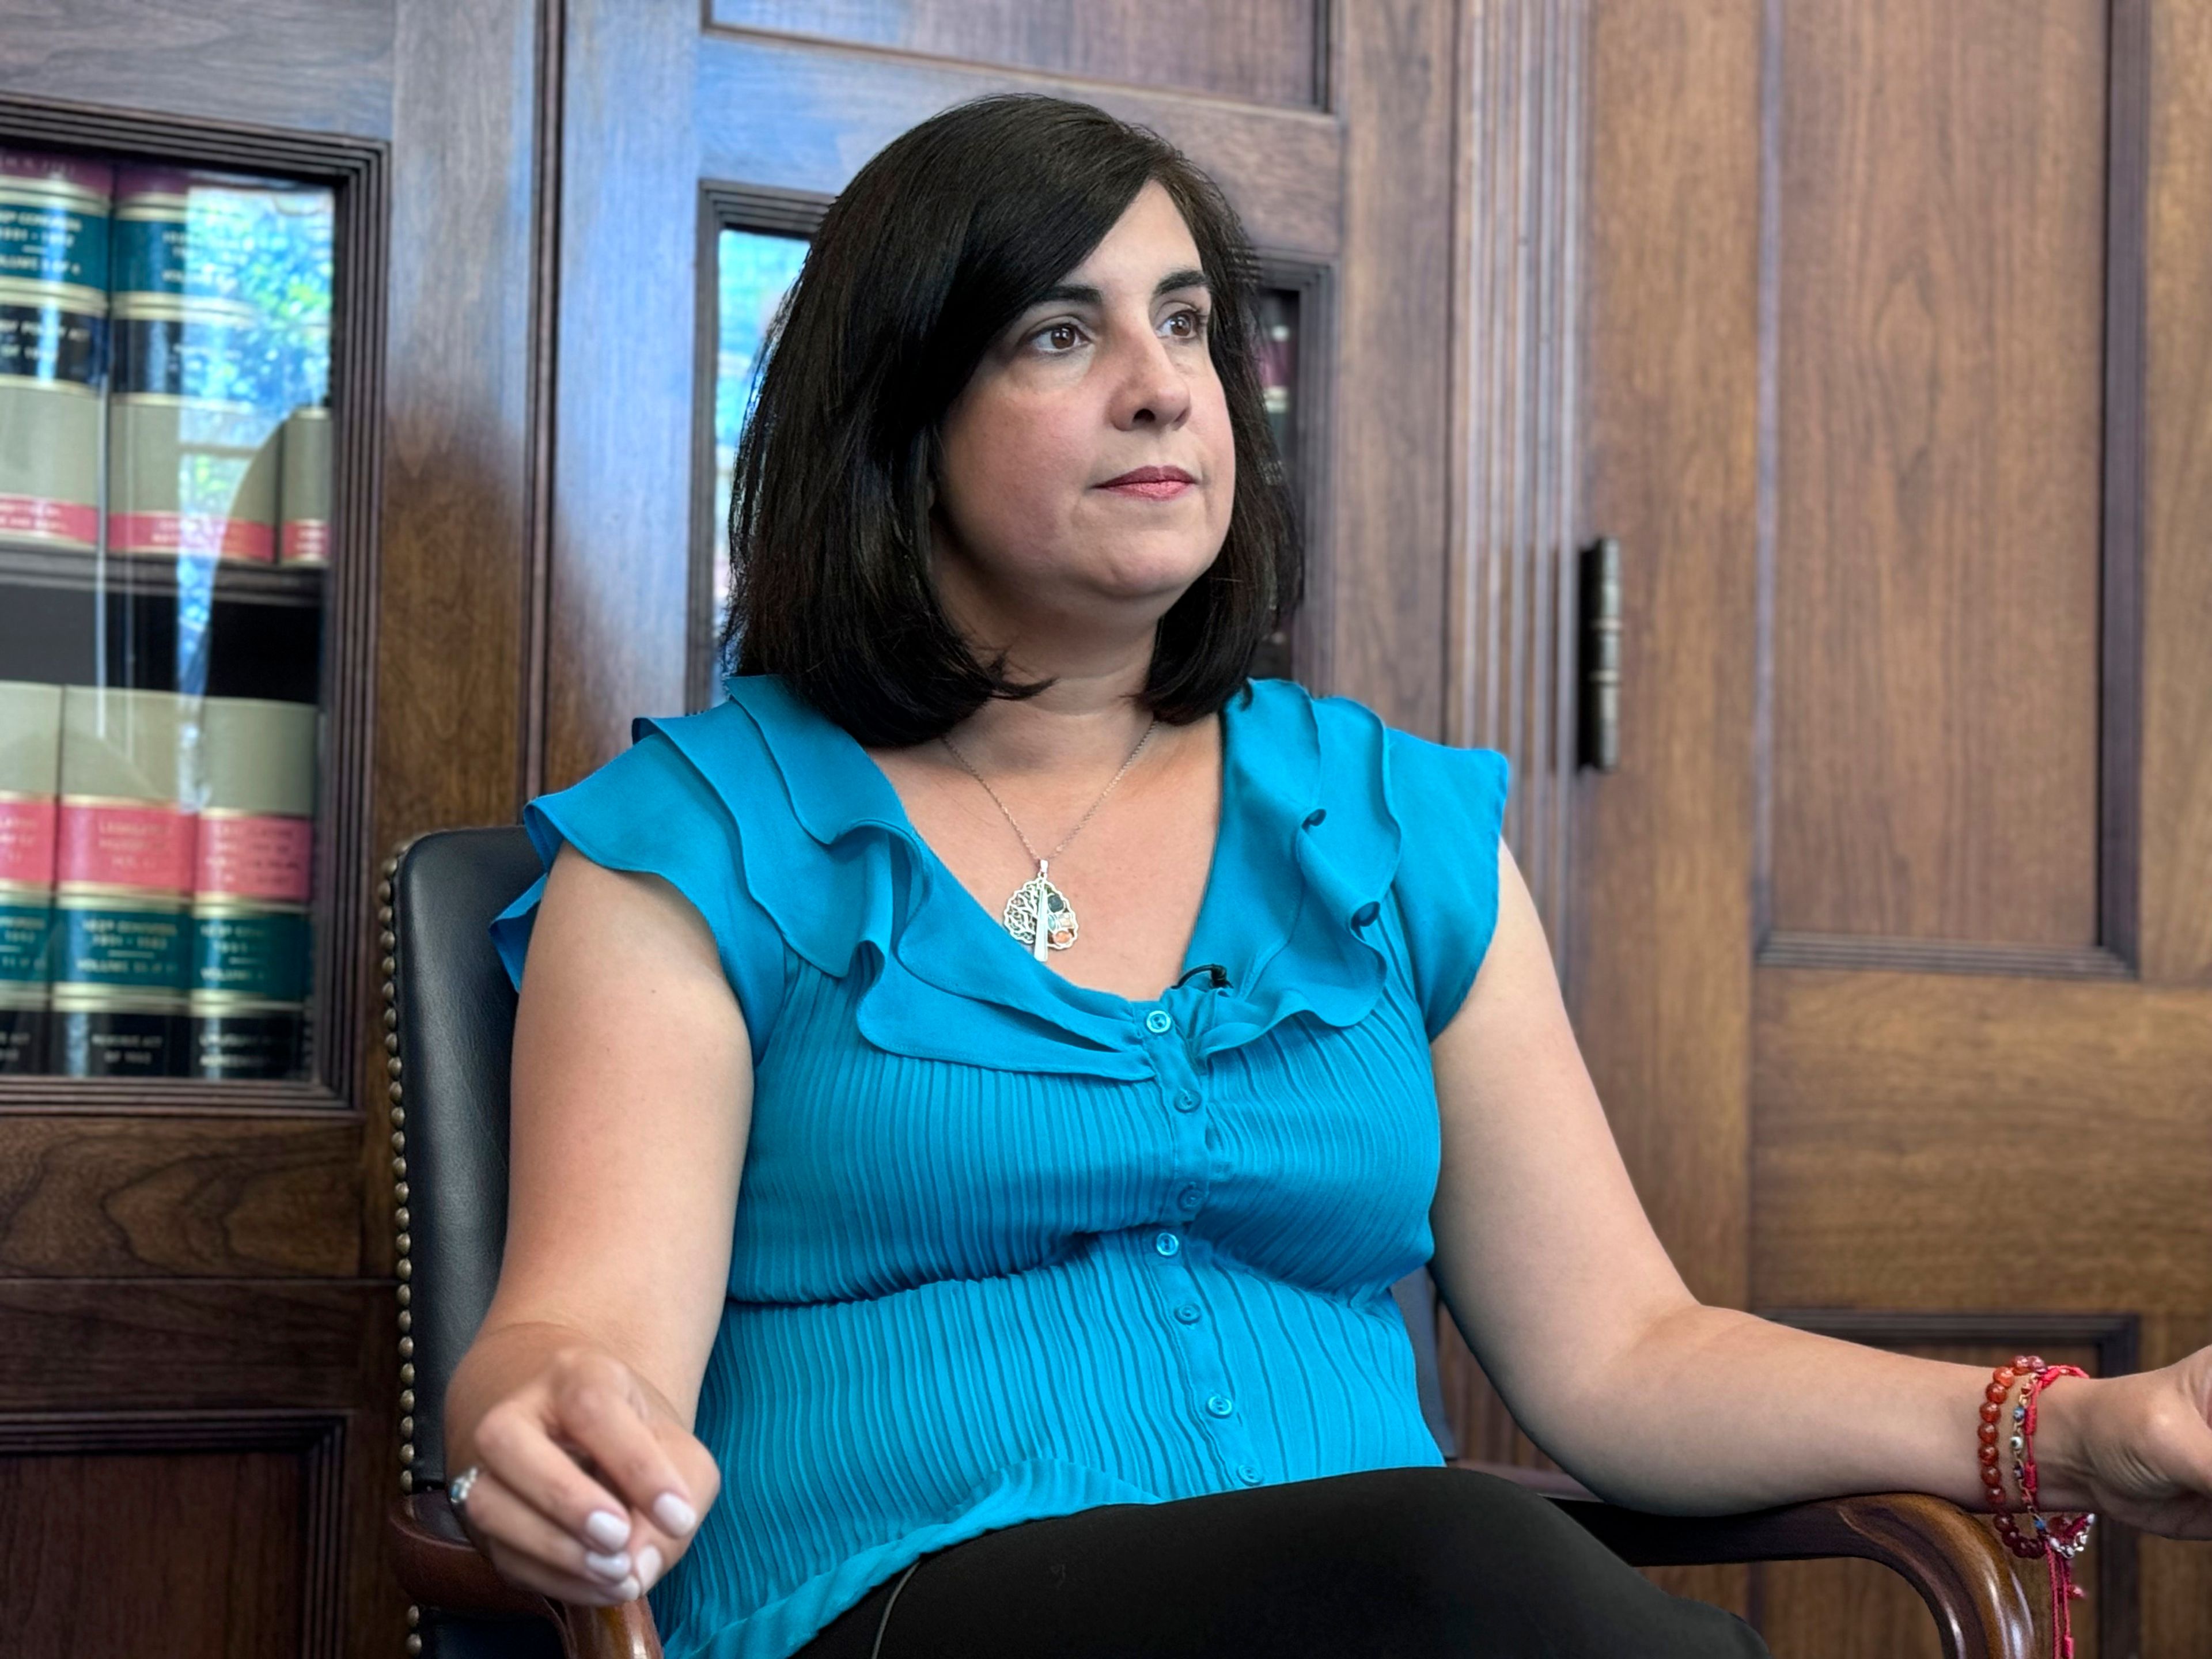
607, 1529
628, 1590
674, 1515
613, 1568
648, 1566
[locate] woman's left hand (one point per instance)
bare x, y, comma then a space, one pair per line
2136, 1448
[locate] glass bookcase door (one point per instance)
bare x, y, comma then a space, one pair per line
755, 270
165, 488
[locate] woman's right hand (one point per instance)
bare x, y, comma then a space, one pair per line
588, 1485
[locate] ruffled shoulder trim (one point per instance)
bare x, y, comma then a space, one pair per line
1452, 803
787, 835
651, 809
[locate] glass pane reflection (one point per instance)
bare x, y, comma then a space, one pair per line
165, 486
755, 270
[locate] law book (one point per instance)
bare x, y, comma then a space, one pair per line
54, 214
253, 875
30, 782
193, 459
124, 871
303, 490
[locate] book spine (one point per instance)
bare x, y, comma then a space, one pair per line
304, 488
254, 874
54, 214
30, 776
124, 861
192, 459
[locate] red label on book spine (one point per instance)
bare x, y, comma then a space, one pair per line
35, 515
27, 841
149, 847
201, 533
257, 858
307, 541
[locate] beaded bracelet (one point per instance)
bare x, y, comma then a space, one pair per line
2058, 1539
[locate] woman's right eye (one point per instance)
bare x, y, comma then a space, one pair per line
1059, 338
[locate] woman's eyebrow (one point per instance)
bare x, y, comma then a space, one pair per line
1082, 294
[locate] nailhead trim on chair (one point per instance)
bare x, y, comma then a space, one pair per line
388, 941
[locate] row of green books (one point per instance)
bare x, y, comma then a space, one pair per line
156, 862
177, 323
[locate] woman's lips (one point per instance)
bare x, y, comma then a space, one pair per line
1153, 484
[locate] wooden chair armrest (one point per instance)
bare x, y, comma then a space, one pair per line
1962, 1572
440, 1568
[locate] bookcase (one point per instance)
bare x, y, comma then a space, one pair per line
165, 545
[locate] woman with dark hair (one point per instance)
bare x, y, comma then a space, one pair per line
1099, 1034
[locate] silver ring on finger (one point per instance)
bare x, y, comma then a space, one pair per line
458, 1488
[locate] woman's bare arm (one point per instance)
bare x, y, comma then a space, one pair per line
632, 1099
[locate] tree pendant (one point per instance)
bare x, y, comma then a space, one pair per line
1039, 915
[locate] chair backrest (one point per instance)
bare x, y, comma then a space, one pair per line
452, 1013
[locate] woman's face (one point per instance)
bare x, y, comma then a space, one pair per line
1087, 467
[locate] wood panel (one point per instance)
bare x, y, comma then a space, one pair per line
1398, 89
1270, 52
1512, 648
1942, 1105
1659, 979
2177, 761
143, 1345
315, 65
775, 112
1939, 447
224, 1541
109, 1196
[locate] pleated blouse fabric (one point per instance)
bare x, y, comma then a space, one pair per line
1007, 1246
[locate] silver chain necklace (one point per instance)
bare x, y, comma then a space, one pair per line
1039, 915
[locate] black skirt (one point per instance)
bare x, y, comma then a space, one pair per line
1410, 1564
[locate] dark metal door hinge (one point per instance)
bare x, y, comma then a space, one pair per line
1599, 742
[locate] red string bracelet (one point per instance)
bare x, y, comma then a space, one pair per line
2058, 1538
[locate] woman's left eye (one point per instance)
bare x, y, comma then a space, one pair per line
1186, 324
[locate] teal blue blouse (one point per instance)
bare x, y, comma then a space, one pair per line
1007, 1246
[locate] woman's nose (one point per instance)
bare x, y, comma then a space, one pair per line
1152, 391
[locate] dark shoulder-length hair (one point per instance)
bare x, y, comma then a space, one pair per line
935, 247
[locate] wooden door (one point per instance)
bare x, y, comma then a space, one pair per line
1331, 126
1892, 938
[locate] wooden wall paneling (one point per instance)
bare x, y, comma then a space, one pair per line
314, 65
90, 1195
1939, 447
1669, 459
622, 549
1884, 1094
1399, 90
775, 112
1269, 52
150, 1345
1659, 977
1510, 650
184, 1534
2176, 916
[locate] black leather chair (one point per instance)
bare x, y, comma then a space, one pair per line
449, 1019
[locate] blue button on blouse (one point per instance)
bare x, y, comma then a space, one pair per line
941, 1319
